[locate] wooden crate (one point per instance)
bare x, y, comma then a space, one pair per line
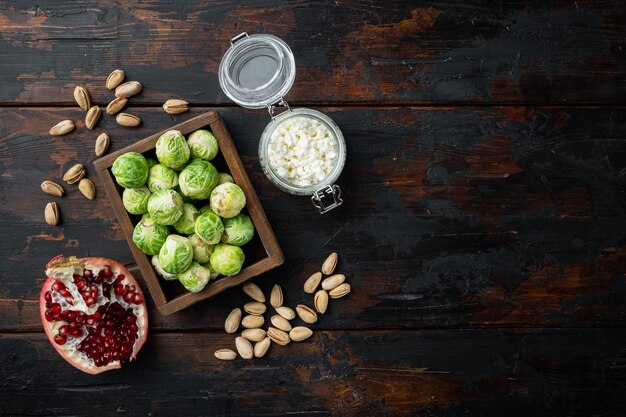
262, 253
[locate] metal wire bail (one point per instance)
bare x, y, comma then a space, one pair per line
329, 191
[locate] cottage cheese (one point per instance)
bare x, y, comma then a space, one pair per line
302, 151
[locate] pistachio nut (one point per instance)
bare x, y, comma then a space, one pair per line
74, 174
261, 348
87, 188
92, 117
254, 292
114, 79
102, 144
328, 267
62, 128
175, 106
81, 95
52, 188
128, 89
116, 105
51, 213
307, 314
128, 120
276, 296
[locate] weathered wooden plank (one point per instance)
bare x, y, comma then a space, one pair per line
452, 216
346, 52
449, 373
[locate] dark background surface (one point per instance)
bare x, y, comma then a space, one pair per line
483, 230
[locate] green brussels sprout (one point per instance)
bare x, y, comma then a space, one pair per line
209, 227
151, 162
149, 236
130, 170
135, 200
172, 150
159, 269
195, 278
227, 200
206, 209
201, 250
165, 207
176, 254
227, 259
184, 197
203, 144
223, 178
210, 268
161, 177
185, 225
238, 230
198, 179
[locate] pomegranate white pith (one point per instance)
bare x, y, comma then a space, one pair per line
93, 312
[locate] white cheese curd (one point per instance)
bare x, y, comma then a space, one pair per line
302, 150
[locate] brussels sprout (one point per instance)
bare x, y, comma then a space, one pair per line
150, 236
161, 177
176, 254
238, 230
135, 200
172, 150
195, 278
165, 207
201, 250
198, 179
185, 225
130, 170
223, 178
227, 259
151, 162
210, 268
159, 269
206, 209
203, 144
209, 227
227, 200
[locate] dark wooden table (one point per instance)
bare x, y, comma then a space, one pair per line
483, 229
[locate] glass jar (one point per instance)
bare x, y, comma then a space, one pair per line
257, 71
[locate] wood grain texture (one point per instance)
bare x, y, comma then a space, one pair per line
339, 373
346, 52
511, 216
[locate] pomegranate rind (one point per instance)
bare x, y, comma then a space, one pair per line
92, 263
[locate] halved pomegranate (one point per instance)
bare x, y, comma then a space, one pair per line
93, 312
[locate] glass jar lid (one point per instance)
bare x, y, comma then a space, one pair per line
257, 71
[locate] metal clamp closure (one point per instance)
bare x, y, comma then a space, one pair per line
329, 191
271, 108
236, 38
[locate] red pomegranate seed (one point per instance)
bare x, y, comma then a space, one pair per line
59, 339
106, 272
128, 297
48, 298
55, 308
137, 299
58, 286
63, 330
134, 328
76, 332
69, 300
48, 315
71, 315
80, 285
89, 301
87, 273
